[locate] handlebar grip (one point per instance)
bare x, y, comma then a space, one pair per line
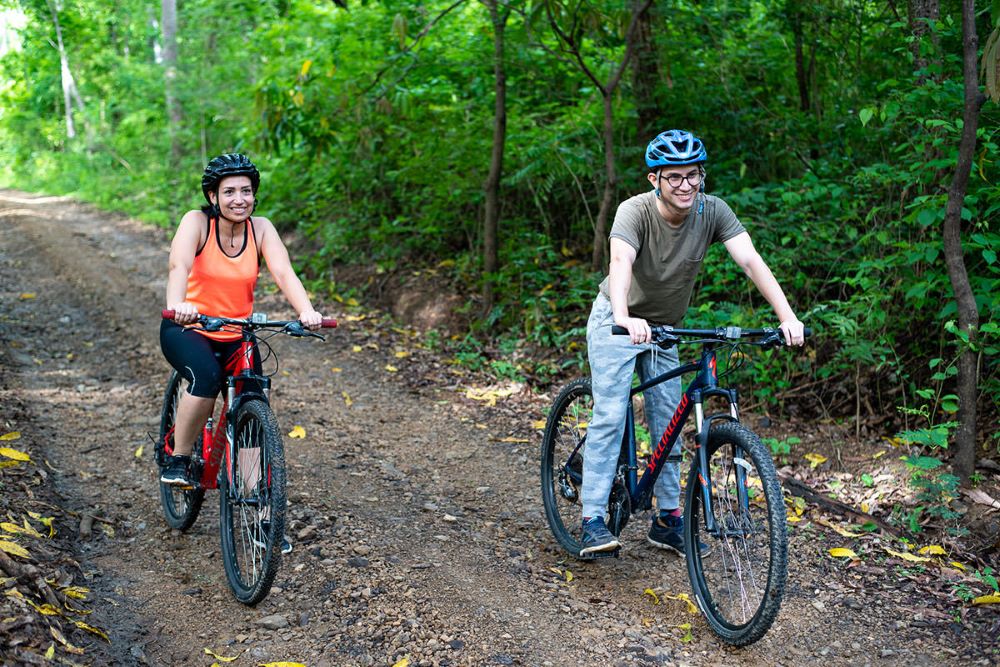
328, 323
807, 332
618, 331
168, 314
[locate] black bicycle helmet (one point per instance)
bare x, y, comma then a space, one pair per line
229, 164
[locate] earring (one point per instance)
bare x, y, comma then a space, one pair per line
657, 193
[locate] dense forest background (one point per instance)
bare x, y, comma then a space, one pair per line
486, 143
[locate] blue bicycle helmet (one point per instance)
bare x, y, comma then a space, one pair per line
675, 148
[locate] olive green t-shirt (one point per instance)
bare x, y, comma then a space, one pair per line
667, 259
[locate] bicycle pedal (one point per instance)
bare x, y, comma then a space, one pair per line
597, 555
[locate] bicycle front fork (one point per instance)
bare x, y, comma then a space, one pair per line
702, 426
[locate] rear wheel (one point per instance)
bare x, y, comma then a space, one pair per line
562, 461
180, 506
739, 583
252, 503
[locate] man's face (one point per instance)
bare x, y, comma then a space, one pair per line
235, 198
678, 185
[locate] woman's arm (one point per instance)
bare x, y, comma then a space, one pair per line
182, 252
743, 252
278, 263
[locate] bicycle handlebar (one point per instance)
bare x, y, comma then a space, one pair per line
216, 323
666, 334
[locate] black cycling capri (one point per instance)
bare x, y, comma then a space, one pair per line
199, 359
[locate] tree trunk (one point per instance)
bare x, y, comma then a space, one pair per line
920, 11
174, 117
70, 93
801, 72
492, 187
968, 314
646, 77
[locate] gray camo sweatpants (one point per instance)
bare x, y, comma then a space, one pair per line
612, 361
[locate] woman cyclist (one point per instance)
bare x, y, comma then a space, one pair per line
214, 261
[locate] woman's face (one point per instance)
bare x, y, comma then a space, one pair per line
235, 198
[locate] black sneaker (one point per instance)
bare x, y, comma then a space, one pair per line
260, 538
176, 473
667, 532
597, 537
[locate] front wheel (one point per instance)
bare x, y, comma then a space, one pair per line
180, 506
252, 503
740, 580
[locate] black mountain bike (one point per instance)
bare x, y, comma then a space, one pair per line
732, 499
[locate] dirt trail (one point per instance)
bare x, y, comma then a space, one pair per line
417, 531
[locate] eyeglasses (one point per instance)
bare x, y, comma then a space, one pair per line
694, 179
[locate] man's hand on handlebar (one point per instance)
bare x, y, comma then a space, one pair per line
311, 319
638, 329
794, 332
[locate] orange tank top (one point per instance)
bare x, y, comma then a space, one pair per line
221, 285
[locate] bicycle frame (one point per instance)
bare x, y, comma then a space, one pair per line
704, 385
242, 383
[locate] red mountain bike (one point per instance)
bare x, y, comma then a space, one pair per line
241, 453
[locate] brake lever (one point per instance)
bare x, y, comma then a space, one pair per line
296, 329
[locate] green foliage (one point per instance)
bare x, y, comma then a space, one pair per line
781, 449
373, 128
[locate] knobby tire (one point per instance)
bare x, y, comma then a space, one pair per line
180, 506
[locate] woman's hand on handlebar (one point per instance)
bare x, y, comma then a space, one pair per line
184, 312
311, 319
638, 329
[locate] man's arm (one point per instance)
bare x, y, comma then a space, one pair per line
743, 252
619, 280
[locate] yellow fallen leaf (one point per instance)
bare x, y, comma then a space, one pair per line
513, 439
879, 455
89, 628
350, 302
842, 552
76, 592
45, 609
219, 657
793, 519
692, 609
539, 424
355, 318
402, 354
27, 295
283, 664
840, 531
556, 570
50, 652
15, 454
8, 464
651, 593
987, 599
347, 398
297, 432
402, 662
13, 435
45, 521
931, 550
337, 369
569, 576
814, 459
958, 565
15, 529
356, 348
799, 505
391, 368
62, 640
865, 508
686, 627
14, 549
907, 556
26, 528
138, 452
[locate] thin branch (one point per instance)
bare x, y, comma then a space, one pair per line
412, 45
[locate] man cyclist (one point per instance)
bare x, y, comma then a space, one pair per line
658, 241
